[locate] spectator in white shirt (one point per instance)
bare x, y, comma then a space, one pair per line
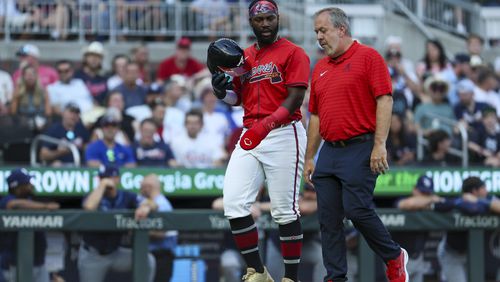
485, 90
176, 94
195, 150
6, 90
173, 124
68, 90
214, 123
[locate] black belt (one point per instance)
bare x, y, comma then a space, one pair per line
354, 140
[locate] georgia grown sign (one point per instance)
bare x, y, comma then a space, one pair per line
194, 182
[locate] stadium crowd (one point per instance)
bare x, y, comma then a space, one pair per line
143, 114
129, 115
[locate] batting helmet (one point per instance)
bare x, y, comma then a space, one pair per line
225, 55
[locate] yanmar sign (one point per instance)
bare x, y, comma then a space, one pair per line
32, 221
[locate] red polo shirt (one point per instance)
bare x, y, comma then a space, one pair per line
344, 92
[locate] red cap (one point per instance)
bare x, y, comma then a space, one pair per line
184, 42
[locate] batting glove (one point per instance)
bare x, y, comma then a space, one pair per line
220, 83
252, 137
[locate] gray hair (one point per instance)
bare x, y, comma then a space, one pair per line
338, 18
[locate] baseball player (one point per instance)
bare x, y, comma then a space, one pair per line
20, 197
272, 145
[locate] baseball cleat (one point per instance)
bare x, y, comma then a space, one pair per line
396, 268
254, 276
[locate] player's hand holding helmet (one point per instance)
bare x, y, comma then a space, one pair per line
220, 83
225, 60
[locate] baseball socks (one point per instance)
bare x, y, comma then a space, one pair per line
291, 248
246, 237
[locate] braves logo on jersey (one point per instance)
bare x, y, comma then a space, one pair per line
266, 71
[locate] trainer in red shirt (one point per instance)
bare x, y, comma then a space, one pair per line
351, 107
344, 92
180, 63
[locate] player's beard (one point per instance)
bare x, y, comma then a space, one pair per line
266, 40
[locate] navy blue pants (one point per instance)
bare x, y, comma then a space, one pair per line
344, 185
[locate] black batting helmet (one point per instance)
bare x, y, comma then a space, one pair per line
225, 55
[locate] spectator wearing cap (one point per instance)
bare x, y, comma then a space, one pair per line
30, 97
116, 106
118, 64
461, 70
68, 131
68, 90
154, 94
452, 250
20, 197
162, 243
29, 54
437, 88
468, 110
101, 252
484, 142
107, 151
421, 198
133, 94
150, 152
90, 72
6, 92
487, 83
180, 63
461, 66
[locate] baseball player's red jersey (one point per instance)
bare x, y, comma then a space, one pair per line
344, 92
273, 68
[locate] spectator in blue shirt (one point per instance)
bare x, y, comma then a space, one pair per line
452, 250
485, 140
162, 244
101, 252
151, 152
68, 130
106, 151
468, 110
133, 93
19, 197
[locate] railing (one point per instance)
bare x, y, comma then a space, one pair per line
190, 220
463, 154
455, 16
398, 4
112, 20
48, 139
